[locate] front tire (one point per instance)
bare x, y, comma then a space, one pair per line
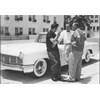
40, 68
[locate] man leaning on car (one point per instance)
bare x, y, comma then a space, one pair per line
53, 52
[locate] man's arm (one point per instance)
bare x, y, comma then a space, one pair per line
78, 40
60, 37
74, 36
55, 40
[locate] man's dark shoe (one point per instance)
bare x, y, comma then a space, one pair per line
60, 79
54, 79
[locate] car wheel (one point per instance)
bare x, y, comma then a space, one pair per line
40, 68
88, 56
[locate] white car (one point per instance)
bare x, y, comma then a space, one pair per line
33, 57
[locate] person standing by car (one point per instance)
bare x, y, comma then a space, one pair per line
66, 37
75, 56
53, 52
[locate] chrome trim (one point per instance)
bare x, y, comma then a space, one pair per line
3, 67
10, 65
9, 59
25, 69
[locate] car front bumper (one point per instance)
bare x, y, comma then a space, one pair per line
24, 68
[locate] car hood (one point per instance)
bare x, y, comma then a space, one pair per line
90, 43
15, 49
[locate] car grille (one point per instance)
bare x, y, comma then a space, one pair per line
12, 60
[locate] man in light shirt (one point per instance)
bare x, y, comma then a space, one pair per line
65, 35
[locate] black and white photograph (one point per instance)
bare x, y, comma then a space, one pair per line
49, 49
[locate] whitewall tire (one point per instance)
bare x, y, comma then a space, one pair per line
88, 56
40, 68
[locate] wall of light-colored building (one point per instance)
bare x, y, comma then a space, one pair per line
95, 24
26, 24
95, 33
39, 24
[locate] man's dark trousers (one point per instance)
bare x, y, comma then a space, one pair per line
55, 64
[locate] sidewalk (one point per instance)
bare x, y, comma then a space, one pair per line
90, 74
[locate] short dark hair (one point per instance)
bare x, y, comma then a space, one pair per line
55, 25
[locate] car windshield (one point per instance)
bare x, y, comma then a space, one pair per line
41, 38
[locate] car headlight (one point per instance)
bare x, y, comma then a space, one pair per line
21, 55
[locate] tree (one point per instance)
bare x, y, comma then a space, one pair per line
83, 21
67, 19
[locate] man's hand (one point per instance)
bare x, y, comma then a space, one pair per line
73, 43
55, 40
54, 44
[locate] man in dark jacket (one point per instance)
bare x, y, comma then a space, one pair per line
53, 52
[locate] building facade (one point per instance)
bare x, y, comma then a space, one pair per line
95, 24
28, 24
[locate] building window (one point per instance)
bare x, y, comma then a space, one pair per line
4, 31
96, 16
18, 17
1, 30
32, 18
93, 28
46, 19
29, 18
96, 21
92, 16
6, 17
45, 29
90, 27
7, 31
16, 31
55, 20
20, 31
32, 31
29, 31
97, 28
91, 21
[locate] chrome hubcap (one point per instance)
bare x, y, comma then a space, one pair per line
40, 67
88, 56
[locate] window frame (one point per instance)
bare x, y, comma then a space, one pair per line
92, 16
20, 30
96, 21
96, 16
7, 31
32, 18
93, 28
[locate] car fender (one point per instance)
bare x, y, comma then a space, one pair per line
32, 57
